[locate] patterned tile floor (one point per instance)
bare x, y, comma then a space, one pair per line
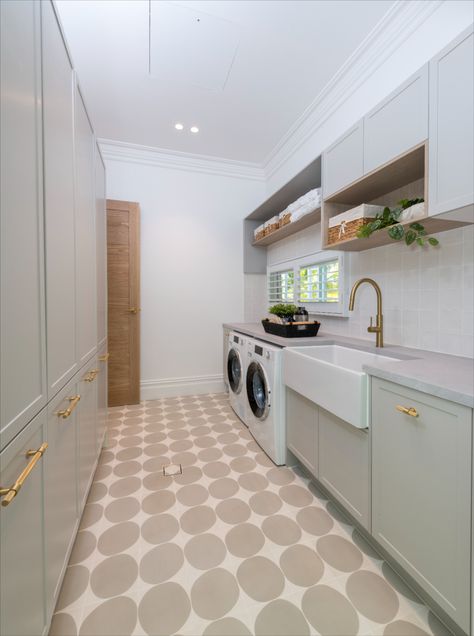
232, 546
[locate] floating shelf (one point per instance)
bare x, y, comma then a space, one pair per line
291, 228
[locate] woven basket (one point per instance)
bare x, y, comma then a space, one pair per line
285, 218
272, 224
346, 230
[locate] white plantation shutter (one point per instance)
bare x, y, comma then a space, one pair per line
319, 282
281, 286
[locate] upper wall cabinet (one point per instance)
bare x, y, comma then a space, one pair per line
343, 162
451, 165
86, 251
101, 229
23, 365
398, 123
58, 95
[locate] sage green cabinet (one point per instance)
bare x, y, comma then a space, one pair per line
102, 395
344, 464
343, 161
22, 563
421, 476
302, 429
86, 427
101, 246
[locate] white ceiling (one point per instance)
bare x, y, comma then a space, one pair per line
243, 71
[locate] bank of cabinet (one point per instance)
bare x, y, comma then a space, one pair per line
302, 429
344, 466
421, 467
101, 244
58, 91
23, 369
398, 123
102, 384
451, 151
87, 447
22, 565
86, 251
343, 161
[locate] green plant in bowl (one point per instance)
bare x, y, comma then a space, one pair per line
284, 311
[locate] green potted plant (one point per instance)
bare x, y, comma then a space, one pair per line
283, 311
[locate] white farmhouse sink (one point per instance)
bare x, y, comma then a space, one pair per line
332, 376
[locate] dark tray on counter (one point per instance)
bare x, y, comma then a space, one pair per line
291, 330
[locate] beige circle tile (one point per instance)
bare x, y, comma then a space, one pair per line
205, 442
281, 618
107, 456
189, 476
201, 430
339, 553
158, 502
180, 445
192, 495
129, 453
372, 596
222, 426
403, 628
210, 412
161, 563
192, 413
263, 460
125, 486
234, 450
157, 481
92, 513
214, 593
122, 509
210, 454
114, 575
63, 625
227, 438
197, 421
174, 416
205, 551
155, 464
265, 503
84, 546
130, 441
227, 626
244, 434
160, 528
178, 434
296, 495
185, 459
198, 519
216, 419
164, 609
155, 437
253, 447
118, 538
280, 476
97, 492
329, 612
117, 616
125, 469
233, 511
244, 540
243, 464
102, 472
74, 585
315, 520
301, 565
155, 450
115, 415
260, 578
131, 430
253, 482
281, 529
154, 424
223, 488
216, 469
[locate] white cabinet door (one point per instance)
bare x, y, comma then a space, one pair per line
23, 359
86, 418
58, 96
101, 229
398, 123
451, 152
86, 251
22, 566
421, 475
343, 161
302, 429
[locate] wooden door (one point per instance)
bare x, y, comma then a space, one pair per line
123, 273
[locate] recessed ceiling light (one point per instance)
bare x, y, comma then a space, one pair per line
194, 129
179, 126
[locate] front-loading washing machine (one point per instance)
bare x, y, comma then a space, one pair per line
265, 399
235, 368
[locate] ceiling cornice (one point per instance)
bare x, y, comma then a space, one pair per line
397, 25
147, 155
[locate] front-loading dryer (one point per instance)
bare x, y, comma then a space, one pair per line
235, 368
265, 399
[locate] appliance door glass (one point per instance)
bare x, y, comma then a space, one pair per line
257, 390
234, 371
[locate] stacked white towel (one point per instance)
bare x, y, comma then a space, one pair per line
305, 204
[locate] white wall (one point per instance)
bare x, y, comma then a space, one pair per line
191, 269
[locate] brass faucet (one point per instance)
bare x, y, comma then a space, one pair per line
378, 329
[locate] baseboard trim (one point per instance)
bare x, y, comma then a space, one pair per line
171, 387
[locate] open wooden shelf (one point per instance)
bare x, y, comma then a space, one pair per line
291, 228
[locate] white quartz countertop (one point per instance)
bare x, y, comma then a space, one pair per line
448, 377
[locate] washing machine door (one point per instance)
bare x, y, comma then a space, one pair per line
258, 393
235, 370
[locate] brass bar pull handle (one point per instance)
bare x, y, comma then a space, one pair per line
9, 494
73, 401
134, 310
104, 358
91, 376
407, 410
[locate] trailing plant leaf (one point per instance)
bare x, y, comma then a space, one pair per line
433, 241
396, 232
410, 237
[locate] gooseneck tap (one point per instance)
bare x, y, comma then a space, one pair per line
378, 329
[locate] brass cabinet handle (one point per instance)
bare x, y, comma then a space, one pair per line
9, 494
407, 410
91, 376
73, 401
104, 358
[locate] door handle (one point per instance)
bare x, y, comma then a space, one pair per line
9, 494
73, 402
134, 310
